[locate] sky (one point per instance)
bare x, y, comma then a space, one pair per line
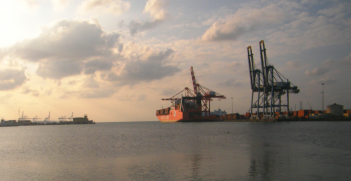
116, 59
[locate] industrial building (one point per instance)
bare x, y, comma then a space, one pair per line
335, 109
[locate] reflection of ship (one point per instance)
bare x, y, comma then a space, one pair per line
194, 106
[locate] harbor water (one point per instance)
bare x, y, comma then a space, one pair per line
178, 151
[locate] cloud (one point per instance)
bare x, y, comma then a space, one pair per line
138, 26
169, 91
104, 6
142, 97
295, 64
66, 39
97, 93
346, 60
91, 83
66, 48
324, 80
229, 83
317, 71
57, 69
243, 21
27, 90
31, 3
149, 66
156, 10
10, 78
92, 66
60, 4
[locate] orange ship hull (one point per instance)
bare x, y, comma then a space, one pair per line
179, 116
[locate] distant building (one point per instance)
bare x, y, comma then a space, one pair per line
335, 109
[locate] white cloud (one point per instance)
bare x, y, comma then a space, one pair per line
245, 20
104, 6
31, 3
60, 4
156, 10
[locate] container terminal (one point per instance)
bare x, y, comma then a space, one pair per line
270, 96
25, 121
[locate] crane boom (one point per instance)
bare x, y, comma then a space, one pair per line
309, 105
193, 78
251, 67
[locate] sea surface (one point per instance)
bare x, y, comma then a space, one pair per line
178, 151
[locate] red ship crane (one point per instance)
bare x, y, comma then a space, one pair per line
193, 78
187, 93
200, 92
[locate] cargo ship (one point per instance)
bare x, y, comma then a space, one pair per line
194, 106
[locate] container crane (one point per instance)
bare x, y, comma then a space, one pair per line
274, 85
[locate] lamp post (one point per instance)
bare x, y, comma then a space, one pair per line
232, 105
323, 97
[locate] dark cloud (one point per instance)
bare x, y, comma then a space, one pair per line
63, 48
57, 69
95, 65
144, 70
74, 40
138, 26
10, 79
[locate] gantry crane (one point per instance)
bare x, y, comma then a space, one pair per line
274, 86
